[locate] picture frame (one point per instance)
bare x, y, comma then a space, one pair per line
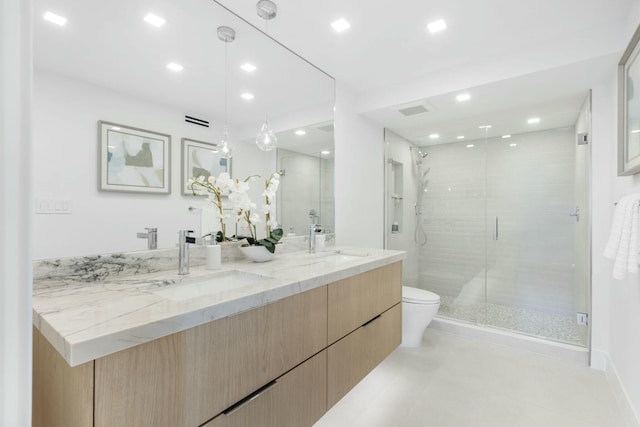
133, 160
629, 108
201, 158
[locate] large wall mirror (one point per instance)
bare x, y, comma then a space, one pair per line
108, 64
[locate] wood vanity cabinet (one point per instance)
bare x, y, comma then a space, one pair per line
270, 366
365, 326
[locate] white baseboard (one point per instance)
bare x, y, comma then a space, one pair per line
567, 352
630, 416
599, 360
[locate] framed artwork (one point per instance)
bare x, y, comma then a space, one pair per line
201, 159
629, 108
133, 160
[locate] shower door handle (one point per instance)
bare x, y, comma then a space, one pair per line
496, 228
576, 213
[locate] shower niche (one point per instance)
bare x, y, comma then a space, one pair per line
395, 193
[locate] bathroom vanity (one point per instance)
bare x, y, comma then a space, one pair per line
273, 344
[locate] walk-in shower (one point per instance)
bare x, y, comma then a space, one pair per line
488, 226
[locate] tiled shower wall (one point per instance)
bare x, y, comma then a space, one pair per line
529, 187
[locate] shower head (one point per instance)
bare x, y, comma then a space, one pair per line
421, 154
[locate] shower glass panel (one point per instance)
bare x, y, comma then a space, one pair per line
505, 224
452, 262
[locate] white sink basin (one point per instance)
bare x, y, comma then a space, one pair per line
341, 256
193, 288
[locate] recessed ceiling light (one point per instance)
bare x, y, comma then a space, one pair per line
175, 67
533, 120
437, 26
470, 145
56, 19
325, 152
434, 136
247, 96
635, 131
512, 145
460, 136
463, 97
484, 127
300, 132
340, 25
249, 68
506, 136
154, 20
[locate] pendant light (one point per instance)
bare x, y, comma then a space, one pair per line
227, 35
266, 140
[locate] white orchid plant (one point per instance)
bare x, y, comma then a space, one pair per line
243, 207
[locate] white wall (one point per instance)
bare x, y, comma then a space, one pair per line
623, 297
359, 175
619, 300
15, 212
66, 113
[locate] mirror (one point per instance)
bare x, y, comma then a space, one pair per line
107, 64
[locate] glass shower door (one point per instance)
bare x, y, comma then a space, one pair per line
530, 285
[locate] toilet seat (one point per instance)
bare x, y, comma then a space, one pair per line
419, 296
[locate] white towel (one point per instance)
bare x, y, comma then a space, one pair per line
623, 244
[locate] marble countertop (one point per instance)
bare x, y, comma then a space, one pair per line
87, 320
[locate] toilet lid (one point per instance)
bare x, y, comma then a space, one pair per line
419, 296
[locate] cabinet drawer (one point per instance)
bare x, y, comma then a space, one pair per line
354, 356
357, 299
297, 399
187, 378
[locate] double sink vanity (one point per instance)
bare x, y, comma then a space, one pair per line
121, 341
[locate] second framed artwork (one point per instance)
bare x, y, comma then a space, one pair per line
201, 159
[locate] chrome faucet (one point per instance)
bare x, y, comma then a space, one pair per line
184, 239
152, 237
313, 230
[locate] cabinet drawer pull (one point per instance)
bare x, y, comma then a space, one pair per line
253, 396
372, 320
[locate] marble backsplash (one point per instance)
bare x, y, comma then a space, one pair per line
97, 268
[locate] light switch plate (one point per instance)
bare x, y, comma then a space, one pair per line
53, 206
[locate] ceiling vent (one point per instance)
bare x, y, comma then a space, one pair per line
412, 111
326, 128
414, 108
196, 121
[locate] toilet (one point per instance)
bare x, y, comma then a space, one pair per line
418, 308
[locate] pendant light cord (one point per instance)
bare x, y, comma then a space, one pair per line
225, 84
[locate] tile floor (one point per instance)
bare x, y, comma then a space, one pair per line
453, 381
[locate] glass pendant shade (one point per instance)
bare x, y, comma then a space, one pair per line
226, 147
266, 139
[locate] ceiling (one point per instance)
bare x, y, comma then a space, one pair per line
516, 60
